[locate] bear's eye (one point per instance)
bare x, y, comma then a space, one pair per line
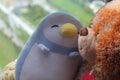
54, 26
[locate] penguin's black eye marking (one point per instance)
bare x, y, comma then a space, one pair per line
54, 26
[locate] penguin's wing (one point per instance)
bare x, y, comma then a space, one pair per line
44, 48
74, 54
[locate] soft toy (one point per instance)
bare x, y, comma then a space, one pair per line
99, 44
87, 51
8, 72
52, 51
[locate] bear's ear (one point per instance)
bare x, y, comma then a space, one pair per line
107, 1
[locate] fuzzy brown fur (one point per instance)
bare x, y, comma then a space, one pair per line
106, 25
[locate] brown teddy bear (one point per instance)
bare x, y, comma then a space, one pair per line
99, 44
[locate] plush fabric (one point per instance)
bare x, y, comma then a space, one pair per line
8, 72
48, 55
103, 41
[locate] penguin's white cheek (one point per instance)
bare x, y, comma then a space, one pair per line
52, 34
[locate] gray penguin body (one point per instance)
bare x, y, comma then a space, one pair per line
47, 55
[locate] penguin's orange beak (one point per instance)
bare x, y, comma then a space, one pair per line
68, 30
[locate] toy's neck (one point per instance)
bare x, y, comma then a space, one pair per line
53, 47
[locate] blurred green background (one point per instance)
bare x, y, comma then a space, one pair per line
18, 19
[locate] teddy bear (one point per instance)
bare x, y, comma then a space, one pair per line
99, 44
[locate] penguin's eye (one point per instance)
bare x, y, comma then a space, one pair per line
54, 26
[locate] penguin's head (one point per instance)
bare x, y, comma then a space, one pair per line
62, 29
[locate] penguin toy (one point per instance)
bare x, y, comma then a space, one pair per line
51, 53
